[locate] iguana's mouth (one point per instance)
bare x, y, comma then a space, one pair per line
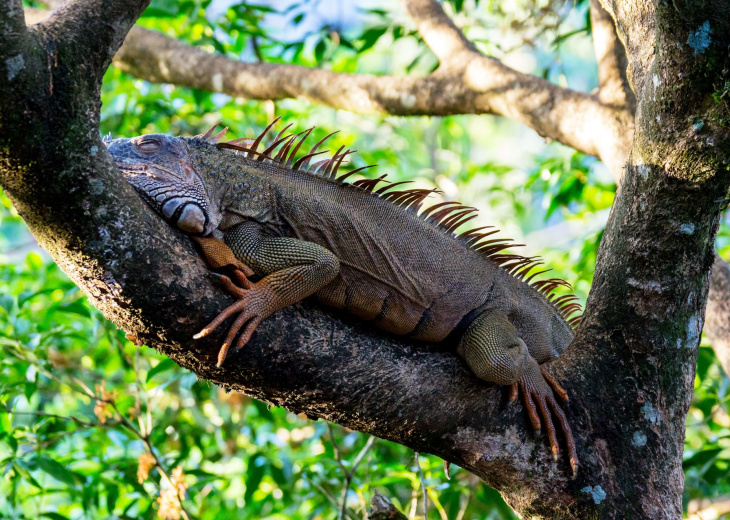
149, 170
187, 216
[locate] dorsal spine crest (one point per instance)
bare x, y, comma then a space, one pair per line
446, 216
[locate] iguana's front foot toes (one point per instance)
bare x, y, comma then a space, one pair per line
537, 388
234, 289
252, 307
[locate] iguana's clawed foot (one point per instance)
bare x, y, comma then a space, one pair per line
253, 306
538, 391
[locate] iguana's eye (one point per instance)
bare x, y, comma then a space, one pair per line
147, 144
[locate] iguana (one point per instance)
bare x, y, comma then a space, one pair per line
375, 252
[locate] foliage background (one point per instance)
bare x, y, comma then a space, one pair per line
65, 455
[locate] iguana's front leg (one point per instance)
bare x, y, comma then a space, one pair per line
292, 269
219, 255
495, 353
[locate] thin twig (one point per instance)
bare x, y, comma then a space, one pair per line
78, 421
335, 447
158, 463
257, 49
327, 495
347, 473
45, 372
362, 454
423, 486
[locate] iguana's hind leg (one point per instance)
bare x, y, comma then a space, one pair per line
495, 353
292, 269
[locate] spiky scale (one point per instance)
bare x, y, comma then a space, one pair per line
303, 163
255, 145
293, 153
448, 215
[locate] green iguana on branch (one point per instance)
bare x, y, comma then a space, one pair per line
302, 230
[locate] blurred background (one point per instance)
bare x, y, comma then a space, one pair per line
92, 426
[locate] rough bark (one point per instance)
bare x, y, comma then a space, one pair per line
629, 371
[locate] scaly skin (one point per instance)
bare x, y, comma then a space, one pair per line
373, 255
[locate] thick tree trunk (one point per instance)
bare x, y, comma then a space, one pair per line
629, 371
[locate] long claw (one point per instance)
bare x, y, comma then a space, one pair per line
228, 311
530, 405
202, 333
569, 440
549, 426
222, 353
559, 390
540, 393
240, 322
247, 332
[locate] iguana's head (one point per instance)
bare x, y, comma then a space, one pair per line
163, 170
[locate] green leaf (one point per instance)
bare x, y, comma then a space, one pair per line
371, 36
77, 307
7, 302
253, 478
23, 472
112, 494
34, 261
320, 49
54, 516
56, 470
702, 458
162, 366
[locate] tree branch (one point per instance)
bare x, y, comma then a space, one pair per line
481, 86
383, 509
440, 33
485, 87
96, 26
613, 84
